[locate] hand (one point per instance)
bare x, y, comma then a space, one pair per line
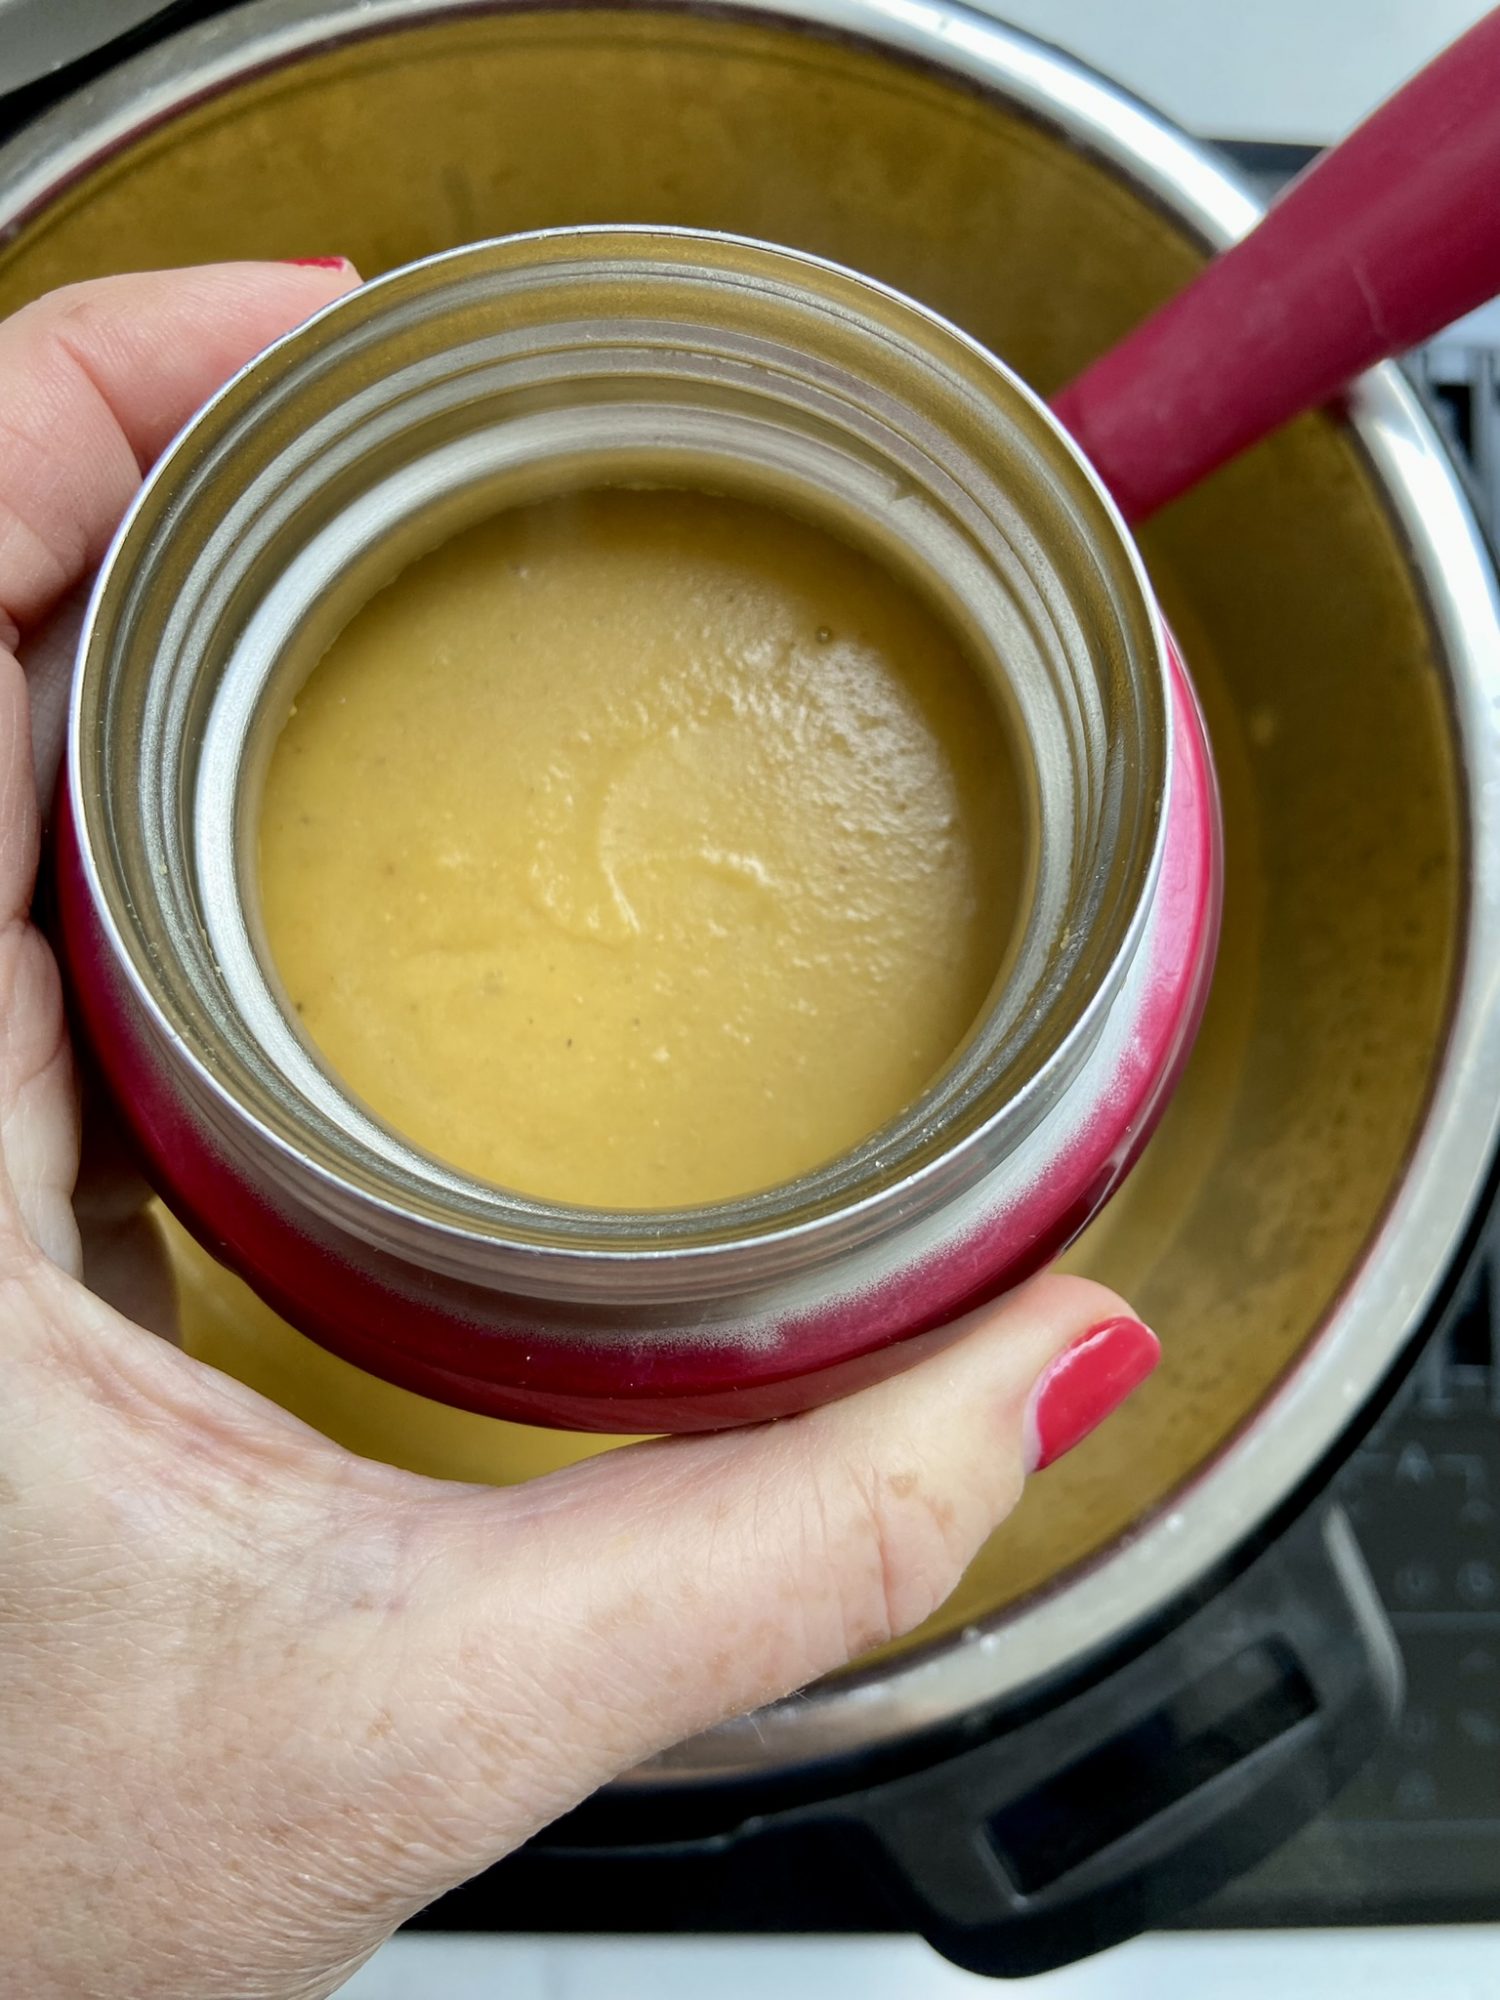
260, 1699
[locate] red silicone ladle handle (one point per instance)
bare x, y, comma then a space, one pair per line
1377, 246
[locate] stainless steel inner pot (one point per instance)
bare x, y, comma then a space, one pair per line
1304, 1196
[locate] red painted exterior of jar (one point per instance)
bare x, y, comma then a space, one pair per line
502, 1355
442, 388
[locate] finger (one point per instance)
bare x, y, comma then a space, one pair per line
587, 1621
47, 660
38, 1102
95, 380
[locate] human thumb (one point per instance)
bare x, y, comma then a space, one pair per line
577, 1625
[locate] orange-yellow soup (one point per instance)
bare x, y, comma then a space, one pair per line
640, 848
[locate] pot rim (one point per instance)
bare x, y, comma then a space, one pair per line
1231, 1497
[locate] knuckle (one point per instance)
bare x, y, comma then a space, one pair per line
908, 1538
69, 314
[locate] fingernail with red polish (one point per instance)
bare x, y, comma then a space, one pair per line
320, 263
1084, 1383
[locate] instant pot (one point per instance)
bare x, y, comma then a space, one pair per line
1173, 1655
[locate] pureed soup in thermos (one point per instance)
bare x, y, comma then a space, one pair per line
638, 840
641, 849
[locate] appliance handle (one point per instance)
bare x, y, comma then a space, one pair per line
1121, 1806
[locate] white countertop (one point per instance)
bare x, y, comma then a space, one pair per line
1429, 1964
1303, 70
